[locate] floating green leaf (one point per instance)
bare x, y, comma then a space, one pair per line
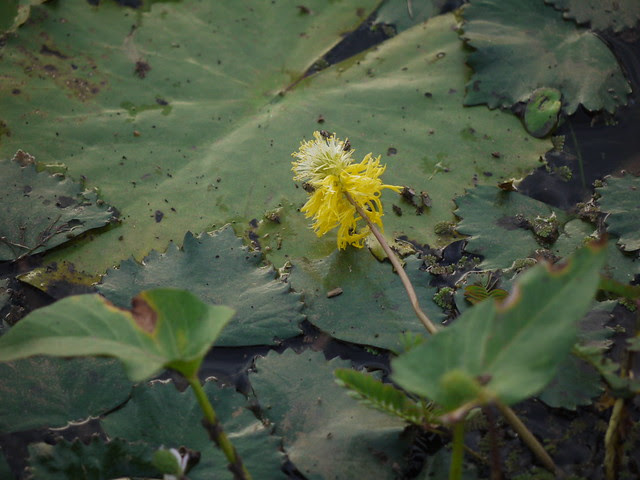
165, 329
160, 415
97, 460
619, 199
381, 396
600, 14
373, 308
325, 433
51, 392
197, 130
508, 226
41, 211
523, 45
219, 269
541, 112
509, 351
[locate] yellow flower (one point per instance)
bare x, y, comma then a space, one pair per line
326, 165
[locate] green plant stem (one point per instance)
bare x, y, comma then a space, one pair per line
393, 258
457, 453
527, 437
216, 433
611, 441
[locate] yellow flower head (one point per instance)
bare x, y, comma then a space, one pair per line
326, 164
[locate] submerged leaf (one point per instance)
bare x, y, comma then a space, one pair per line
509, 350
165, 329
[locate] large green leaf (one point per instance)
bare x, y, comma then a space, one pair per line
159, 415
373, 308
203, 137
601, 14
523, 45
166, 328
507, 226
220, 270
619, 199
96, 460
509, 350
325, 433
50, 392
41, 211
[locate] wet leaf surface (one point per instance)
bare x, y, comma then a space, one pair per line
203, 135
219, 269
160, 415
505, 227
51, 392
524, 44
509, 350
95, 460
600, 14
619, 199
165, 329
326, 433
41, 211
374, 308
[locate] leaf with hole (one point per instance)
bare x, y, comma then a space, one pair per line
221, 270
508, 351
166, 328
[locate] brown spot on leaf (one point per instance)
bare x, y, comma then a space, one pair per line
145, 317
44, 50
23, 158
142, 68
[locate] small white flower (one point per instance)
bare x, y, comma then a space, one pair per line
326, 155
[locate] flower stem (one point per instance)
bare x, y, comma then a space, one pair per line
216, 433
393, 258
457, 453
527, 437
